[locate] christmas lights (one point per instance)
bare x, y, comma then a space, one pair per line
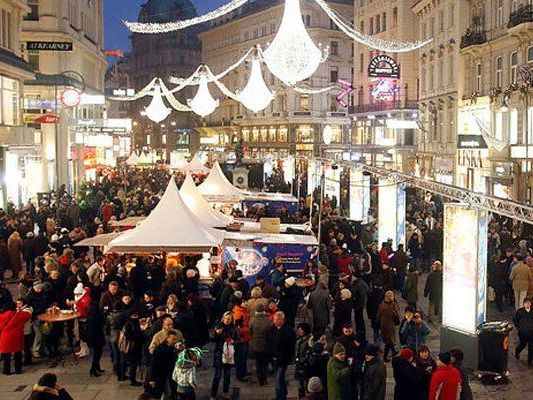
157, 111
380, 44
256, 96
292, 56
141, 93
203, 103
140, 27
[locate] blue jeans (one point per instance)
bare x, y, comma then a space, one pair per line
226, 369
281, 382
119, 362
241, 356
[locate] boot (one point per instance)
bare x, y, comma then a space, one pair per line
84, 350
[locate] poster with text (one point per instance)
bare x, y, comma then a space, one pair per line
357, 195
333, 184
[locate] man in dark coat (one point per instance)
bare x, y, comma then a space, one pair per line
374, 376
281, 341
433, 291
320, 304
162, 366
406, 375
374, 298
523, 321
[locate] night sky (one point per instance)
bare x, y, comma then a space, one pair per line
116, 34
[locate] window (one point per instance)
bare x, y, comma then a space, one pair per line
371, 26
452, 14
394, 17
513, 61
513, 126
272, 28
514, 5
499, 69
363, 26
440, 74
441, 21
308, 20
451, 69
334, 74
530, 54
431, 77
246, 36
33, 15
334, 48
384, 22
263, 31
432, 27
423, 30
5, 40
378, 23
304, 102
361, 62
479, 78
333, 103
9, 93
423, 80
499, 12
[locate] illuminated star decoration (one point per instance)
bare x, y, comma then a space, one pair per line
349, 88
384, 90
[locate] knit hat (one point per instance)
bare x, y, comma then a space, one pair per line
79, 289
290, 281
38, 284
338, 348
445, 357
407, 354
314, 385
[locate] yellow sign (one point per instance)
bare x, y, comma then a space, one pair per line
270, 225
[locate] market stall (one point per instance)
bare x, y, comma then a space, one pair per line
275, 204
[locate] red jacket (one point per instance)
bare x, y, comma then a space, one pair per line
82, 304
384, 256
12, 330
445, 384
242, 321
343, 263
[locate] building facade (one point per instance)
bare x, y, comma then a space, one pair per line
63, 41
294, 122
17, 150
497, 90
173, 54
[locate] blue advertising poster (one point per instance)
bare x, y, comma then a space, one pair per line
260, 258
400, 214
273, 208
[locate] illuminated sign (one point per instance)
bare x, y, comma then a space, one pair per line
383, 66
465, 267
358, 191
471, 142
332, 185
391, 211
40, 118
385, 90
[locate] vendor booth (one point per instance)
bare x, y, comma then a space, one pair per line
273, 203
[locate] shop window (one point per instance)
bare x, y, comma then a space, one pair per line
304, 102
334, 74
499, 71
9, 95
513, 61
33, 15
282, 135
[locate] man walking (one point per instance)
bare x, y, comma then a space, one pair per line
281, 342
523, 321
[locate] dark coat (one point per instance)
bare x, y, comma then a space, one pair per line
290, 298
374, 299
407, 378
374, 380
386, 320
228, 334
342, 315
339, 380
433, 288
259, 327
46, 393
281, 343
320, 304
95, 327
523, 321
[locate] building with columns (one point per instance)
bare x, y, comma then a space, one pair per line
497, 89
293, 123
440, 73
63, 41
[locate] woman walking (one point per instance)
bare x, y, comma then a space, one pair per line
224, 354
388, 318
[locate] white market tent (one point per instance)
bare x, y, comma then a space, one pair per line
200, 207
217, 188
133, 159
143, 159
171, 227
195, 166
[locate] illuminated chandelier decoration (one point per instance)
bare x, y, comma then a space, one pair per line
203, 102
256, 96
292, 56
157, 111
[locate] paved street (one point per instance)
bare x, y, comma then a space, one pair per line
76, 377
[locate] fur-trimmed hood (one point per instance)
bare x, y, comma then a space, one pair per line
45, 389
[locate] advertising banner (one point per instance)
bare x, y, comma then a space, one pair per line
260, 258
391, 212
464, 267
273, 208
333, 184
357, 194
312, 178
366, 197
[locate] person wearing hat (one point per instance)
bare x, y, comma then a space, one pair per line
260, 325
289, 300
339, 375
446, 381
39, 300
320, 304
47, 388
374, 380
407, 376
227, 294
314, 389
81, 303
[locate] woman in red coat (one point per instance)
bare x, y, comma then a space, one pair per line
81, 303
12, 323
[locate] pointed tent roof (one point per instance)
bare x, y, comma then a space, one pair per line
195, 166
143, 158
133, 159
200, 207
216, 186
171, 226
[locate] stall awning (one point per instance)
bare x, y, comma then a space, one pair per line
98, 240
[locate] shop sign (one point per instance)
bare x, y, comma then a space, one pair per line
471, 142
41, 118
383, 66
50, 46
40, 104
470, 158
502, 169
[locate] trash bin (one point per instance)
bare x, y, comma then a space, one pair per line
494, 346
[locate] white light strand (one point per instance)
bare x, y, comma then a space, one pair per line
380, 44
491, 141
292, 56
313, 91
174, 103
141, 93
256, 96
157, 111
140, 27
203, 102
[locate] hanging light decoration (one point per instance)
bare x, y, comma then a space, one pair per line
256, 96
203, 103
292, 56
327, 135
157, 111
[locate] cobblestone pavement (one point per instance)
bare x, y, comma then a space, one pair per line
75, 377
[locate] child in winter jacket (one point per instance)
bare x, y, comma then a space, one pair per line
185, 373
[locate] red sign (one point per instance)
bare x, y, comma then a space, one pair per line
116, 53
47, 119
70, 97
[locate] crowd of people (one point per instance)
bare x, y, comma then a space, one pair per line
149, 314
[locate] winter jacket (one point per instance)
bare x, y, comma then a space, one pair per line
12, 330
339, 380
523, 320
302, 357
359, 294
288, 303
407, 378
229, 334
374, 299
242, 322
280, 344
342, 315
374, 380
259, 327
520, 277
320, 304
83, 303
95, 327
433, 288
47, 393
385, 319
39, 302
411, 287
414, 335
445, 384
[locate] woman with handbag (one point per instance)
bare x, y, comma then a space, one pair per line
388, 319
224, 354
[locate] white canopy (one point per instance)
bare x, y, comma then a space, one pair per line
195, 166
171, 226
216, 187
200, 207
133, 159
143, 159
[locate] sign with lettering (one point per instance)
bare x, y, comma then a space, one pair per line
471, 142
50, 46
383, 66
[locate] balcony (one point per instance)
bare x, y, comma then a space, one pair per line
473, 37
522, 15
384, 106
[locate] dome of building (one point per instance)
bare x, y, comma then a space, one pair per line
166, 10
